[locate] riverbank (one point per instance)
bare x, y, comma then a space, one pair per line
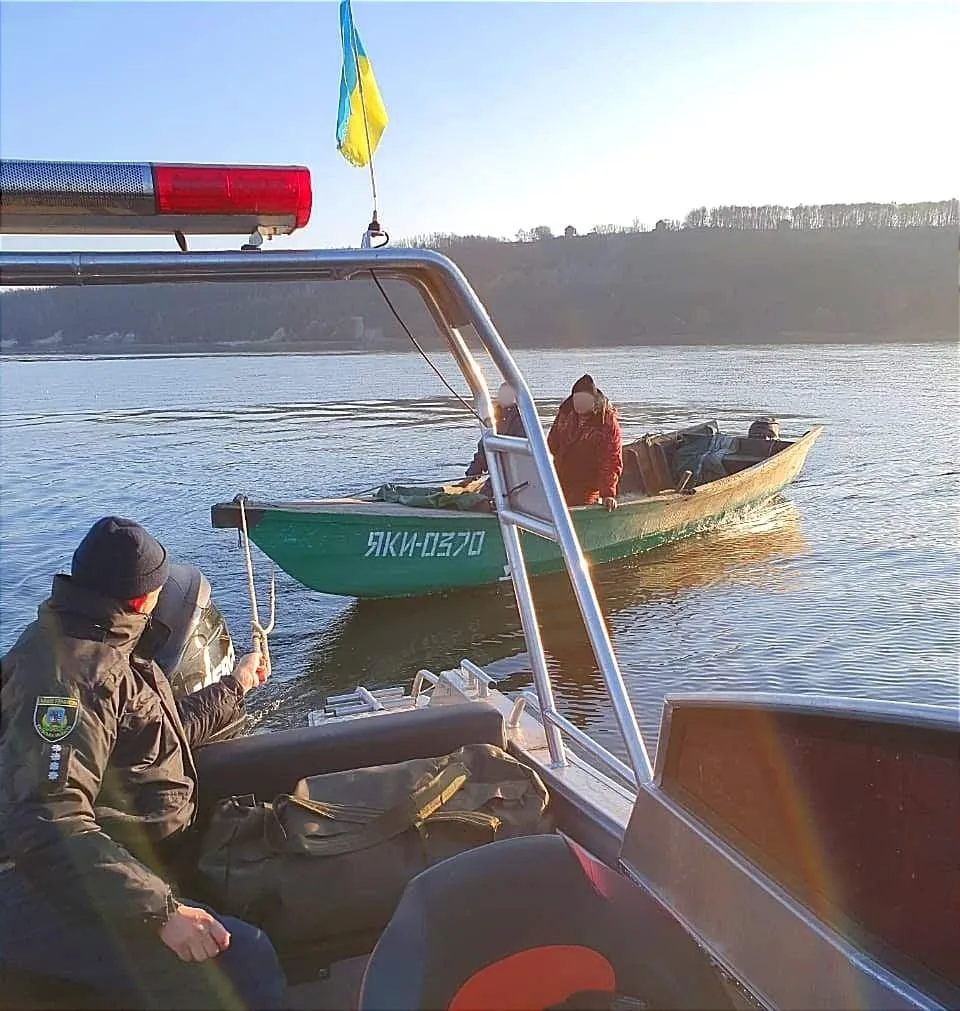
785, 341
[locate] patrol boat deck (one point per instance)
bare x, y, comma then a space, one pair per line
807, 845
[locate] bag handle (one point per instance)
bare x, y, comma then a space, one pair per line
411, 812
360, 815
478, 819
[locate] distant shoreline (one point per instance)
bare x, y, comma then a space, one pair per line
198, 351
693, 287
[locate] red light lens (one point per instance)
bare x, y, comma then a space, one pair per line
274, 192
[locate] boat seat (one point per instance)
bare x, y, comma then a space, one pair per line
268, 764
646, 467
747, 453
533, 923
631, 478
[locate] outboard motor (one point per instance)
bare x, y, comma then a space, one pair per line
199, 650
764, 428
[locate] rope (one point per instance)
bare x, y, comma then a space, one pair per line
258, 632
424, 355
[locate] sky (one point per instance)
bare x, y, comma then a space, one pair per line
503, 115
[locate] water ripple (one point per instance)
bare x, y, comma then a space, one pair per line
850, 584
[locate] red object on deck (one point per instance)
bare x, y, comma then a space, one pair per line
535, 979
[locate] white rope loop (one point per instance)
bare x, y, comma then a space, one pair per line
258, 631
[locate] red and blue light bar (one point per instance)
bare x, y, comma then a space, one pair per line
105, 198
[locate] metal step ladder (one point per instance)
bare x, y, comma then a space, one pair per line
528, 497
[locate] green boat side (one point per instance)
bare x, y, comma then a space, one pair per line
358, 548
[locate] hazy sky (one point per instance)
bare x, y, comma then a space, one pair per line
502, 115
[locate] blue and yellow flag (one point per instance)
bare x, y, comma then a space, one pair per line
362, 117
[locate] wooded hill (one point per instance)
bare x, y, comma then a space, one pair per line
733, 274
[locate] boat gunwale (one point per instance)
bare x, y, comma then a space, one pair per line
352, 506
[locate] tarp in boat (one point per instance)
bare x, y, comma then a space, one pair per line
701, 451
462, 497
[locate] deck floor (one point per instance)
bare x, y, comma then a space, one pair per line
340, 991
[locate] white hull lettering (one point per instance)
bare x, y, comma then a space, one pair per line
374, 543
431, 544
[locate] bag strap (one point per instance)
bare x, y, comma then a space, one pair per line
360, 814
477, 819
411, 812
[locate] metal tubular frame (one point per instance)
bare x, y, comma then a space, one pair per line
454, 305
555, 719
479, 675
531, 523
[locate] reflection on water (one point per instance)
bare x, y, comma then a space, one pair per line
849, 586
375, 641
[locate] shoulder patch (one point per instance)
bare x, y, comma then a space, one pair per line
55, 718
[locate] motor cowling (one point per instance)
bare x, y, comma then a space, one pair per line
764, 428
199, 649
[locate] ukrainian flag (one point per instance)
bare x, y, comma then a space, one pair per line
362, 117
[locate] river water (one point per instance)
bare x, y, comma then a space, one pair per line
849, 585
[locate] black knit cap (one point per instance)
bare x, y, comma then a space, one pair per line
120, 559
585, 384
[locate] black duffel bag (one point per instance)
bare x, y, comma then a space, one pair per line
334, 857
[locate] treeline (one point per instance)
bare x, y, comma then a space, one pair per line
667, 284
767, 217
927, 214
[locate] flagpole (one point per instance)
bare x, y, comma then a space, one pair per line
366, 125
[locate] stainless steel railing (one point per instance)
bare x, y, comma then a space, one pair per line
454, 306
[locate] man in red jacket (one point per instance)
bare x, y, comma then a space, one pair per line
586, 446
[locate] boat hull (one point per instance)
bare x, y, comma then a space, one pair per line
369, 549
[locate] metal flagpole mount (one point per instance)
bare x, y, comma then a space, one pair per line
373, 233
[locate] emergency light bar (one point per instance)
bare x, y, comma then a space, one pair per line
97, 198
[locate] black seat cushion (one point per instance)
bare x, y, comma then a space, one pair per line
528, 923
268, 764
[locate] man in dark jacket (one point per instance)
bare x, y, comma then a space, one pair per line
98, 791
586, 446
509, 422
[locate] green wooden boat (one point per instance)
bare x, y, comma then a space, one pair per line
359, 547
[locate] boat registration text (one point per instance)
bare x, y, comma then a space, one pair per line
424, 544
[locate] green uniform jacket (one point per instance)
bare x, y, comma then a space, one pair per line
96, 774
